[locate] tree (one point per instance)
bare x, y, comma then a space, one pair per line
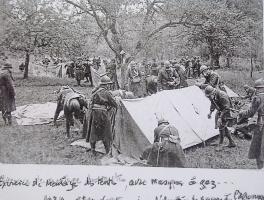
128, 26
31, 25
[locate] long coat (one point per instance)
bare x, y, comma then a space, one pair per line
100, 122
7, 93
256, 150
166, 150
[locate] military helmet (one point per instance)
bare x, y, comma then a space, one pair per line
259, 83
209, 90
246, 86
105, 80
162, 121
203, 68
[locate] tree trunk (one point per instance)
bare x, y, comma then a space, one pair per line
26, 65
251, 67
228, 61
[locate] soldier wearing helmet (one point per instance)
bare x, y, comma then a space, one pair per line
220, 102
102, 102
134, 79
256, 150
168, 79
250, 92
211, 78
166, 150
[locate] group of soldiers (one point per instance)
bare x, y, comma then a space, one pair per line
166, 150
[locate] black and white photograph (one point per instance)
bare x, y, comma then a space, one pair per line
139, 83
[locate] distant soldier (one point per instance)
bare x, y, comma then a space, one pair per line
166, 150
7, 94
220, 102
134, 80
100, 127
79, 72
168, 79
256, 150
151, 84
111, 73
147, 68
211, 78
87, 72
154, 68
21, 67
182, 74
70, 69
250, 92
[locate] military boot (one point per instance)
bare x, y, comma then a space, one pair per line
9, 118
231, 141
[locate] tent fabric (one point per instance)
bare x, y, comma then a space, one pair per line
35, 114
185, 108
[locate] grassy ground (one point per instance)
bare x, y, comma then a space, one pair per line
46, 144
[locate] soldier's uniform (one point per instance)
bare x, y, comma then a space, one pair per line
134, 79
167, 79
212, 78
151, 85
166, 150
221, 102
7, 96
111, 73
250, 92
182, 74
70, 70
100, 128
154, 69
256, 150
87, 72
79, 73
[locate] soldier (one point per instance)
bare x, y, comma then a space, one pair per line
256, 150
154, 68
79, 72
168, 79
220, 102
166, 150
134, 79
147, 67
151, 84
250, 92
70, 70
111, 73
211, 78
7, 95
100, 123
183, 78
87, 72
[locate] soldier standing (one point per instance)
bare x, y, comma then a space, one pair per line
168, 79
256, 150
79, 72
100, 127
7, 95
154, 68
220, 102
166, 150
183, 78
87, 71
134, 79
111, 73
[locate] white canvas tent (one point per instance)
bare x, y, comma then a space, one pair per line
185, 108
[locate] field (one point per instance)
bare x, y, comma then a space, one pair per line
46, 144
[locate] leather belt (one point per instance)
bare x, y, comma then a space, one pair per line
99, 107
